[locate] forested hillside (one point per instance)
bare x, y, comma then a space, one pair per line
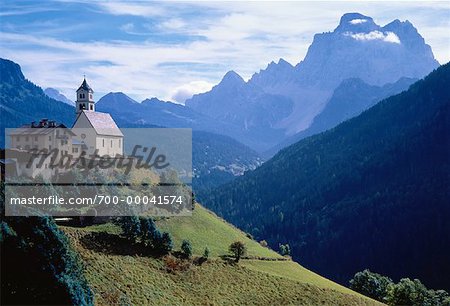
217, 159
371, 193
21, 101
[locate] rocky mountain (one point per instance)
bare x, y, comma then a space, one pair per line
244, 105
357, 48
349, 99
56, 95
370, 193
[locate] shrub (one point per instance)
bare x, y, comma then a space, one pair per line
285, 249
263, 243
174, 264
405, 292
371, 284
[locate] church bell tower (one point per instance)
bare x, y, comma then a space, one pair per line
85, 98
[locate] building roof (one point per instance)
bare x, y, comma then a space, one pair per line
103, 123
44, 126
85, 86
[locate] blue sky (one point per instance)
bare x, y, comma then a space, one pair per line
174, 49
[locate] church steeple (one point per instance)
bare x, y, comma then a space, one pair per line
85, 98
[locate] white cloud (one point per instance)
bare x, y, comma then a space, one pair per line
244, 36
128, 27
186, 91
173, 24
392, 37
375, 35
357, 21
145, 9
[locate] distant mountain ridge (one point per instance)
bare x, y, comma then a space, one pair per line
161, 113
349, 99
370, 193
55, 94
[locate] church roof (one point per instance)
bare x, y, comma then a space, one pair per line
103, 123
85, 86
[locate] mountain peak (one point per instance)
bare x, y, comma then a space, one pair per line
55, 94
231, 77
152, 100
356, 22
401, 26
119, 95
11, 70
283, 62
116, 99
360, 48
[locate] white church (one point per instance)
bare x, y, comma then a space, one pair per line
94, 133
96, 130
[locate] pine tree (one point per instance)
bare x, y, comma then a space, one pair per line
238, 249
131, 227
186, 248
149, 233
206, 253
165, 244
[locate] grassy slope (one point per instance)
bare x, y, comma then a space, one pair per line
116, 273
204, 228
294, 271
